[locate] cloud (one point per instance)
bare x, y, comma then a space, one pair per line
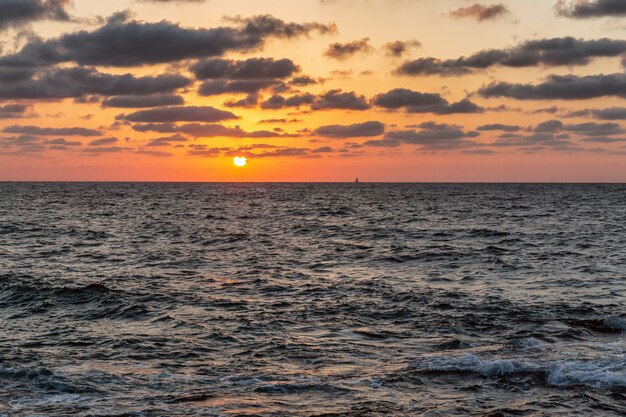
279, 102
416, 102
103, 142
567, 87
251, 100
498, 126
19, 12
51, 131
217, 87
481, 12
544, 52
78, 82
132, 102
399, 48
179, 114
613, 113
431, 136
206, 130
13, 111
249, 69
61, 144
538, 141
337, 99
583, 9
121, 43
285, 152
303, 81
586, 129
329, 100
366, 129
204, 150
343, 51
167, 141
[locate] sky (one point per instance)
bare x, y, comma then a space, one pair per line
313, 90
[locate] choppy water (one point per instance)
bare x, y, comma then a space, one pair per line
311, 300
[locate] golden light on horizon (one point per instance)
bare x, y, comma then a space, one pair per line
240, 161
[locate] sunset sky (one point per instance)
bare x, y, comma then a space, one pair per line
313, 90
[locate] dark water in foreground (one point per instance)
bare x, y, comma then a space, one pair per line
311, 300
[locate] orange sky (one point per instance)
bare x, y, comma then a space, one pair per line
495, 91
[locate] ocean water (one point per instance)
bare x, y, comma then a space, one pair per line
312, 300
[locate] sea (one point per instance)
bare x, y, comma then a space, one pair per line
159, 299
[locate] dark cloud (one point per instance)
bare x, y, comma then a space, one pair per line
265, 121
431, 136
399, 48
13, 111
329, 100
279, 102
179, 114
481, 12
204, 150
544, 52
61, 144
151, 152
19, 12
582, 9
323, 149
283, 153
251, 100
122, 43
537, 142
499, 126
613, 113
135, 102
416, 102
167, 141
105, 149
249, 69
568, 87
208, 130
303, 81
342, 51
51, 131
103, 142
217, 87
366, 129
78, 82
584, 129
337, 99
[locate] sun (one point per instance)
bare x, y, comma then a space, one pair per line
240, 161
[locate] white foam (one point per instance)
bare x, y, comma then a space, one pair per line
472, 363
610, 375
607, 373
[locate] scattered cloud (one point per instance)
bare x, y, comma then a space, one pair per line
343, 51
544, 52
563, 87
583, 9
416, 102
398, 49
366, 129
481, 12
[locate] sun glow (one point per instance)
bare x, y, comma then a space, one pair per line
240, 161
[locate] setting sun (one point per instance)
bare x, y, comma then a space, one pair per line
240, 161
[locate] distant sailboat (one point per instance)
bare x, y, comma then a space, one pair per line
357, 180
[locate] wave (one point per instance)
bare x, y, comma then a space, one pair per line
607, 374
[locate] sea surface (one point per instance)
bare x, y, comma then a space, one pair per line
312, 300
